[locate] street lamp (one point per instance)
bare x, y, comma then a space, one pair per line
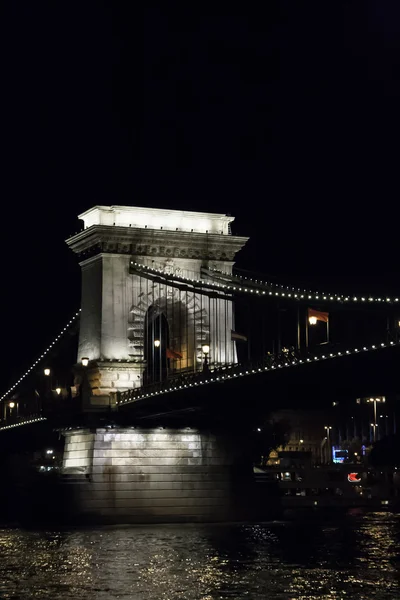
206, 350
47, 372
11, 406
84, 361
374, 401
312, 320
58, 391
328, 437
157, 344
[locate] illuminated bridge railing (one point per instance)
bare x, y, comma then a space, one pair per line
28, 420
271, 362
56, 414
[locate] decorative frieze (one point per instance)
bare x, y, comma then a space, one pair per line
143, 242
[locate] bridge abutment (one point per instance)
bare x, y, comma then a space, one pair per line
157, 475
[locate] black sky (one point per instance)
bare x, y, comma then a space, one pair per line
283, 113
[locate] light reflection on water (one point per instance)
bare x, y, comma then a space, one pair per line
356, 558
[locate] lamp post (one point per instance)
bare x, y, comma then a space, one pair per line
11, 406
206, 350
157, 346
312, 319
328, 437
375, 401
309, 321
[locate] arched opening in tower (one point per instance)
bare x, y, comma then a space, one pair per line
155, 346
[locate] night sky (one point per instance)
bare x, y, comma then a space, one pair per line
285, 114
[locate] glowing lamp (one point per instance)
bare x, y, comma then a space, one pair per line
47, 372
58, 391
85, 361
11, 404
206, 349
157, 343
312, 320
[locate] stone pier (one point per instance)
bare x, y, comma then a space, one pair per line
156, 475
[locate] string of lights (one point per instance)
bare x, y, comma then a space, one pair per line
37, 361
140, 393
255, 287
307, 294
26, 422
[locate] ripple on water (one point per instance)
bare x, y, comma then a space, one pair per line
356, 558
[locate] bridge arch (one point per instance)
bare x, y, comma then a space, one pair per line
187, 321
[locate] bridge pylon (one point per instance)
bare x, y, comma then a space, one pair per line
136, 328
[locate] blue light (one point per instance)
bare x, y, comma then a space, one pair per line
339, 455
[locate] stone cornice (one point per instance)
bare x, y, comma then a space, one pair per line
151, 242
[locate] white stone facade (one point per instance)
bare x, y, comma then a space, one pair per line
154, 475
156, 218
115, 299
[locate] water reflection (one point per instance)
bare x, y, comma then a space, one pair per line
356, 558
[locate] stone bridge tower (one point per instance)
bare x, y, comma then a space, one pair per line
120, 306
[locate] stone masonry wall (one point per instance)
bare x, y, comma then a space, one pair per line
154, 475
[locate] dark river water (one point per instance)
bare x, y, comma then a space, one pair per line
356, 557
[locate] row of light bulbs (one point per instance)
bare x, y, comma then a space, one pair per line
258, 370
311, 295
34, 365
308, 294
298, 296
23, 423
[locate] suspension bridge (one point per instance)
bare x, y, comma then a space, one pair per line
170, 335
